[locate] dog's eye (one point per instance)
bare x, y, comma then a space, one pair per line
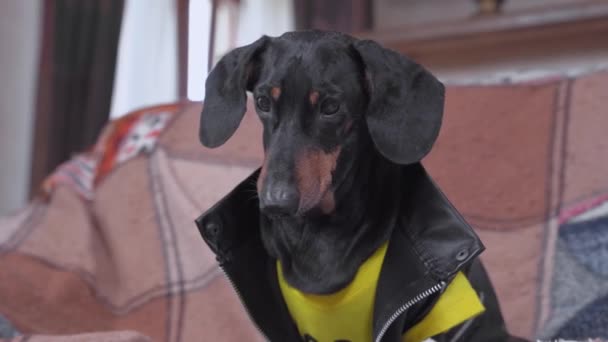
329, 107
263, 103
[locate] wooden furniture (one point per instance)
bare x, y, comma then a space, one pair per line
554, 37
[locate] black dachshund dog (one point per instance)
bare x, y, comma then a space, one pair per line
346, 123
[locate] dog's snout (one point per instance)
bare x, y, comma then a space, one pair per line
280, 199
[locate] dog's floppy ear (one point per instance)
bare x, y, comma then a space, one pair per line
225, 93
405, 103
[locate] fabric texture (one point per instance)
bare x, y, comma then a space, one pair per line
111, 246
6, 329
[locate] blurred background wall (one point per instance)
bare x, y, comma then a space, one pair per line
19, 51
461, 43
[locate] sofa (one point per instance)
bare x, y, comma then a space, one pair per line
108, 250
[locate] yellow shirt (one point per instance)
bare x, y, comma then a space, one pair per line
347, 314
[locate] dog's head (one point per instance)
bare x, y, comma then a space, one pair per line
320, 95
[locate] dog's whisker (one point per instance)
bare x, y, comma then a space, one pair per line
253, 197
251, 191
253, 182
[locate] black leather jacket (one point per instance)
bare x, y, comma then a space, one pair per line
429, 245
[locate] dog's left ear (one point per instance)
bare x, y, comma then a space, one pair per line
226, 93
405, 103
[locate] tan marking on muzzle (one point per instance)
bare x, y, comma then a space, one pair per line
328, 202
314, 170
313, 97
275, 92
262, 176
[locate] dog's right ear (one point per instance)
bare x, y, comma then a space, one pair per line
225, 93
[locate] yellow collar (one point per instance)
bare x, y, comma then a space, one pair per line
315, 314
345, 315
366, 277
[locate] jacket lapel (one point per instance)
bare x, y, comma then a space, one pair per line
231, 230
429, 245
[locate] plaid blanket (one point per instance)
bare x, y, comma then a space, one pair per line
109, 247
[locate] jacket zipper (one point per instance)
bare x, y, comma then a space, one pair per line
425, 294
238, 293
437, 288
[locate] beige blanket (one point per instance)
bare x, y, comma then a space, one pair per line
110, 244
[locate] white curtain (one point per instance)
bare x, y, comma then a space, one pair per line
254, 18
146, 71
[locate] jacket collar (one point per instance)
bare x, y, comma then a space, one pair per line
430, 244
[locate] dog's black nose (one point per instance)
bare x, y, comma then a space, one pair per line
279, 200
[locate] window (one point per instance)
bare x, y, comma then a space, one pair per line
238, 23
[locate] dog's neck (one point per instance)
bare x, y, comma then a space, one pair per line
322, 254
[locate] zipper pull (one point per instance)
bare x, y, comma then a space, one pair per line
444, 286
